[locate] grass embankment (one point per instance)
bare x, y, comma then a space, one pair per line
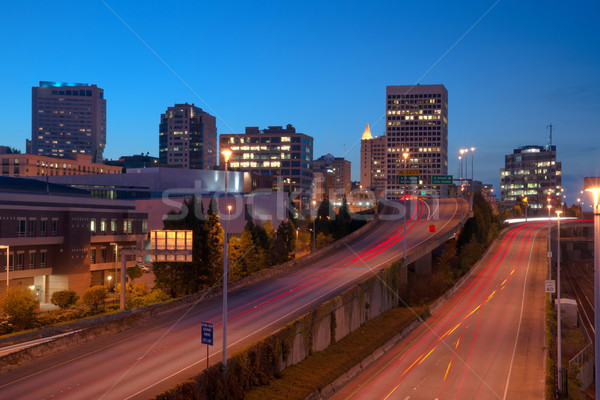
322, 368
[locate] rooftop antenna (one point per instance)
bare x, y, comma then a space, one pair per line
549, 146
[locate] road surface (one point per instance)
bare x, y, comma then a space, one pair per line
143, 361
487, 341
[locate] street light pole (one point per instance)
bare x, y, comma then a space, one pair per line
593, 185
405, 156
116, 261
226, 154
472, 176
549, 247
314, 203
7, 247
558, 333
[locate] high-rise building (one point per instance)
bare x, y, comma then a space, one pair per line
67, 119
417, 124
340, 170
279, 152
531, 172
372, 161
187, 138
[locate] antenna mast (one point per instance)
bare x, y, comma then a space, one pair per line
549, 146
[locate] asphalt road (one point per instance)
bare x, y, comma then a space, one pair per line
145, 360
487, 342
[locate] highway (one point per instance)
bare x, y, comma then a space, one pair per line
145, 360
486, 342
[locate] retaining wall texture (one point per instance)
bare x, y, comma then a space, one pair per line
91, 328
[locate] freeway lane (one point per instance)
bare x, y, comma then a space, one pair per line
487, 342
145, 360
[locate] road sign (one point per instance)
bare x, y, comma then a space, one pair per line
207, 333
550, 286
410, 172
408, 180
441, 179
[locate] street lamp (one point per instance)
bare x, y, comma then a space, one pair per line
592, 185
314, 203
226, 154
109, 281
526, 203
116, 260
405, 156
7, 266
472, 174
549, 244
558, 340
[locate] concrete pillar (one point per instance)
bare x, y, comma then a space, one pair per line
424, 265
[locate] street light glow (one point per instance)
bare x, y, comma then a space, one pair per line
226, 154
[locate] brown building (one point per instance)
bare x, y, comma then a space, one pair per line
417, 124
279, 152
372, 161
341, 182
23, 165
187, 138
59, 238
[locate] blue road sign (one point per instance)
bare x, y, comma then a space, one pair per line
207, 333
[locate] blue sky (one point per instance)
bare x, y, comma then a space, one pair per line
321, 66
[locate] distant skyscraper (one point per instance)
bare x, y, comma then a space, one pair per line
531, 171
372, 161
187, 137
340, 170
417, 124
68, 119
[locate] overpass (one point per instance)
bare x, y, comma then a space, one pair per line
158, 353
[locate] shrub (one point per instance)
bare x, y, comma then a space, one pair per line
21, 306
64, 298
6, 326
94, 297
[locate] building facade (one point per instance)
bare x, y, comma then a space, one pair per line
372, 161
531, 172
187, 138
417, 124
68, 119
59, 238
282, 153
23, 165
340, 170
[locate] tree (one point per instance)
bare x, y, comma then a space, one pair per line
178, 278
21, 306
284, 243
94, 297
342, 221
214, 245
323, 240
134, 272
64, 298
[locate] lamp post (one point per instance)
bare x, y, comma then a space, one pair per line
549, 246
526, 203
472, 175
7, 266
592, 185
314, 203
405, 156
116, 260
558, 339
226, 154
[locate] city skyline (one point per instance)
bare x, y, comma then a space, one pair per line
510, 69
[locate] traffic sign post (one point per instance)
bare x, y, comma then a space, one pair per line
441, 179
207, 336
550, 286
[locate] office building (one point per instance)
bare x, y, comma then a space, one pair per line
59, 238
187, 138
341, 182
531, 172
282, 153
68, 119
372, 161
417, 124
24, 165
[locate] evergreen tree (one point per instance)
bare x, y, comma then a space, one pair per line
342, 221
214, 244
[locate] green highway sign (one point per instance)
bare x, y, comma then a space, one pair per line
408, 180
441, 180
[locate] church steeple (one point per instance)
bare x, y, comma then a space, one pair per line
367, 133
